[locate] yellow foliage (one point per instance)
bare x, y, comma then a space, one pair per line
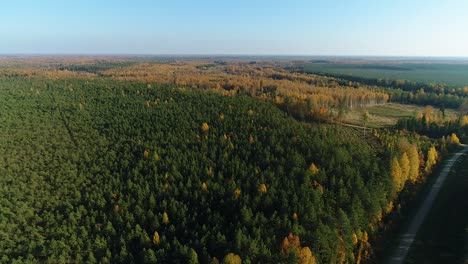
250, 112
146, 154
413, 157
464, 121
205, 127
365, 236
221, 116
295, 217
431, 158
204, 187
304, 254
156, 157
403, 145
156, 239
405, 167
389, 207
232, 258
237, 193
306, 257
165, 218
313, 169
279, 100
454, 139
209, 171
262, 188
251, 140
396, 175
355, 239
419, 116
428, 110
116, 208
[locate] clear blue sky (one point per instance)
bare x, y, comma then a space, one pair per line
287, 27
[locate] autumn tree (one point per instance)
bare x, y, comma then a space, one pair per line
396, 174
405, 167
306, 256
313, 168
413, 157
454, 140
428, 111
431, 159
165, 218
365, 118
232, 258
205, 127
293, 243
156, 238
237, 193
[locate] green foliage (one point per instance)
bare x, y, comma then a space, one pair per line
76, 180
399, 75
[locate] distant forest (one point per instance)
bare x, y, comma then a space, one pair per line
109, 165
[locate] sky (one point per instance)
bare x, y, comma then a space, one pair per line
236, 27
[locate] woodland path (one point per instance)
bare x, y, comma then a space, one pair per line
407, 238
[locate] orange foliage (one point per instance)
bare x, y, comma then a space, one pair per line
237, 193
304, 254
205, 127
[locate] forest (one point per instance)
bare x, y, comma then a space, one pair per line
101, 165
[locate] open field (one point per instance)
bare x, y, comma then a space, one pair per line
388, 114
455, 74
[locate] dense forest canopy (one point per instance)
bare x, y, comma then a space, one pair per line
96, 169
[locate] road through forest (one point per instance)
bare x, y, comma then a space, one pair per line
407, 238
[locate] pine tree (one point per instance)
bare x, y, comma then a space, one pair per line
193, 257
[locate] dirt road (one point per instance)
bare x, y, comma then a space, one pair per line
407, 238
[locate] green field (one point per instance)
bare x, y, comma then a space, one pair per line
441, 73
387, 115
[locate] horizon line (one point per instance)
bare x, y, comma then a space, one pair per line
223, 55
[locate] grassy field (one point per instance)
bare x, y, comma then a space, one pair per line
386, 115
447, 73
443, 238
